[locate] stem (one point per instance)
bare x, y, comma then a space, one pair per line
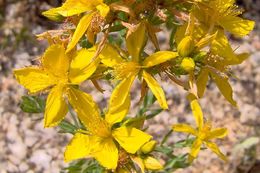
73, 116
177, 81
165, 138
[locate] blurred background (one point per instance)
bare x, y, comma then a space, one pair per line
26, 147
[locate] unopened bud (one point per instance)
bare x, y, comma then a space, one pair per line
199, 57
186, 46
148, 147
151, 163
188, 64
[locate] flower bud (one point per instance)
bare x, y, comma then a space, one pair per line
188, 64
151, 163
148, 147
186, 46
199, 57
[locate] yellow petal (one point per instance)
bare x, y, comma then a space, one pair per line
156, 89
236, 25
205, 41
216, 150
220, 46
195, 148
56, 107
224, 87
115, 115
119, 101
202, 81
139, 162
131, 139
200, 13
185, 128
103, 9
148, 147
110, 56
239, 59
198, 33
55, 60
83, 65
151, 163
217, 133
73, 7
88, 112
80, 30
79, 147
135, 41
34, 79
106, 153
196, 110
158, 58
180, 33
53, 14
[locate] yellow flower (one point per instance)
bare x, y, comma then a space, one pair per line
217, 62
217, 65
203, 133
217, 16
223, 13
76, 7
58, 73
127, 70
102, 140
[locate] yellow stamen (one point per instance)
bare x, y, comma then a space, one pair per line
125, 69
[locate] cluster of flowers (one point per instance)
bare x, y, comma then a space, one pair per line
200, 51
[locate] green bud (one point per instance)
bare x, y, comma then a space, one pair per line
188, 64
199, 57
148, 147
186, 46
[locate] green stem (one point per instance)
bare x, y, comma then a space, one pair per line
74, 118
165, 138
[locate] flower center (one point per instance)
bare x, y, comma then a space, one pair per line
125, 69
204, 132
100, 128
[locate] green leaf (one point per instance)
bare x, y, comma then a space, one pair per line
184, 143
149, 100
153, 113
84, 166
247, 143
32, 104
137, 122
177, 162
84, 43
164, 149
67, 127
